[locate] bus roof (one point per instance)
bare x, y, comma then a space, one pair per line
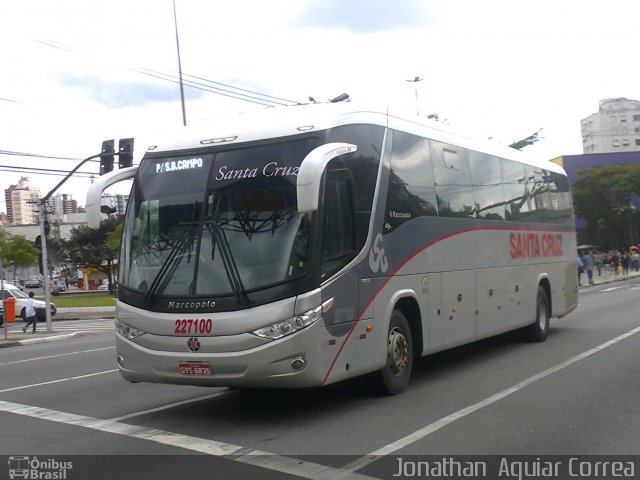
286, 121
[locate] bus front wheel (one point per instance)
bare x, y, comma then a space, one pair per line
394, 377
539, 329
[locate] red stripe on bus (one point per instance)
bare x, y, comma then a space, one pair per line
407, 260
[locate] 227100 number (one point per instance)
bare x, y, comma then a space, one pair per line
192, 326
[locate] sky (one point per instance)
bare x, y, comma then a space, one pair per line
77, 72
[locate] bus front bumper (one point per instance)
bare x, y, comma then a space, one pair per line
295, 361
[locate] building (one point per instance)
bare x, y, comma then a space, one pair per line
60, 204
116, 202
615, 127
21, 202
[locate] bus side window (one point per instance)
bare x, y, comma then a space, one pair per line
339, 223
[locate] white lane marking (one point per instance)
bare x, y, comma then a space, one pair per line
443, 422
282, 464
166, 407
610, 289
56, 356
78, 377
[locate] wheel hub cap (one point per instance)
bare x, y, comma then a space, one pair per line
398, 351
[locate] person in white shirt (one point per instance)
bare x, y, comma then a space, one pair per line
30, 313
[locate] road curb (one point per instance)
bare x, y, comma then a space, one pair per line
53, 338
33, 341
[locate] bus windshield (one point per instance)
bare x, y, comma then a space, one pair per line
217, 224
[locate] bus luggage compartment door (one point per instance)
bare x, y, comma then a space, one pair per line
458, 307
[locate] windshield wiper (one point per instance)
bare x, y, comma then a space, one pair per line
185, 238
229, 263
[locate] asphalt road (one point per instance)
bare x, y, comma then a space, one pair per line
575, 394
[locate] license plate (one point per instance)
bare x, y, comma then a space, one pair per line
195, 368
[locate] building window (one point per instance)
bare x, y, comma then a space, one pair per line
637, 141
625, 142
616, 143
623, 118
636, 118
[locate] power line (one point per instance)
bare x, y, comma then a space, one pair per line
40, 171
223, 89
37, 155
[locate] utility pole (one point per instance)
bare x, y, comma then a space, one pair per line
175, 20
415, 82
4, 310
45, 266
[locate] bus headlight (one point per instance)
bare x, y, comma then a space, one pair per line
292, 325
127, 331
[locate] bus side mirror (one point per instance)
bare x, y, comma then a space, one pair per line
311, 170
94, 195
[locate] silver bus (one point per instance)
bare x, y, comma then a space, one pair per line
301, 246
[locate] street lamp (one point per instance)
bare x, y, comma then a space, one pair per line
415, 82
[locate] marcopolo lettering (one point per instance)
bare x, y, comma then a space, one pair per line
191, 304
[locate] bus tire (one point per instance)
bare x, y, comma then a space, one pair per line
539, 329
394, 376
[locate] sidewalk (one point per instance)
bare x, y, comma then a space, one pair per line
607, 276
15, 337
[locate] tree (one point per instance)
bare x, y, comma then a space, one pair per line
604, 198
525, 142
17, 251
56, 251
89, 247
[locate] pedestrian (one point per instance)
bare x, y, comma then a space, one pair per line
635, 260
30, 313
597, 261
587, 262
615, 262
580, 266
624, 261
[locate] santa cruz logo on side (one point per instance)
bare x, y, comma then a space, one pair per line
377, 257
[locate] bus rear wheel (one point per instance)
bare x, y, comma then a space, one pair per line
539, 329
394, 377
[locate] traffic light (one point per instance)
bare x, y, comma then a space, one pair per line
106, 157
47, 227
125, 149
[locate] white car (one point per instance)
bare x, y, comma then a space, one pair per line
11, 290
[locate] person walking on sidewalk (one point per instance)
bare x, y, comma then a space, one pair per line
587, 261
30, 313
624, 261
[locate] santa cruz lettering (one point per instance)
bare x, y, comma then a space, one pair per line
189, 326
271, 169
535, 245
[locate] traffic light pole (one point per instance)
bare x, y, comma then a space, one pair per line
125, 159
45, 268
43, 239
